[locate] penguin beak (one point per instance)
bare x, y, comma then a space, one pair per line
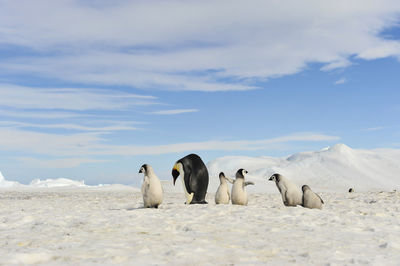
175, 174
271, 179
140, 171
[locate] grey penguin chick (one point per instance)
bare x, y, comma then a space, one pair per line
223, 196
239, 193
310, 199
291, 194
152, 191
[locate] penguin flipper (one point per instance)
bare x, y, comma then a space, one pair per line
230, 180
248, 183
320, 199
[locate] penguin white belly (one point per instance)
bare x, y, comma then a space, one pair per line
239, 194
152, 192
189, 196
294, 194
291, 194
222, 195
156, 192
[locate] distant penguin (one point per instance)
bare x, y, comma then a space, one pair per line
291, 194
223, 196
151, 188
194, 177
239, 193
351, 190
310, 199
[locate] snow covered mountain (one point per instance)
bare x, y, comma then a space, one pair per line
334, 169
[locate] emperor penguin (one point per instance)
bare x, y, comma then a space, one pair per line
194, 177
152, 191
291, 194
310, 199
223, 196
239, 193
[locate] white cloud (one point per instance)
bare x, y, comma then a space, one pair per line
41, 114
174, 111
340, 81
57, 163
112, 127
340, 63
69, 98
192, 45
91, 144
374, 129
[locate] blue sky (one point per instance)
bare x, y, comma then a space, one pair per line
93, 89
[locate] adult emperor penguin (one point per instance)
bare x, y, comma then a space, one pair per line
194, 177
291, 194
223, 196
151, 188
239, 193
310, 199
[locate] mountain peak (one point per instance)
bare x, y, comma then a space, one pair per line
340, 147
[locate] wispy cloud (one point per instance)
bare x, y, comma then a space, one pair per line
373, 129
92, 144
123, 45
174, 111
112, 127
56, 163
340, 81
69, 98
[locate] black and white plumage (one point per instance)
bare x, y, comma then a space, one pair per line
291, 194
152, 191
310, 199
239, 193
223, 196
194, 175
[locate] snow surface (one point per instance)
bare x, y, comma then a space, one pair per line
65, 222
86, 226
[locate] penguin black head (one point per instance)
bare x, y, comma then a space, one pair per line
305, 187
275, 177
351, 190
240, 173
143, 168
176, 171
221, 174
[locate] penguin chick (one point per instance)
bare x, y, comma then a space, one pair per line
152, 191
239, 193
223, 196
291, 194
310, 199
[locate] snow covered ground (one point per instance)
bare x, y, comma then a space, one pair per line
88, 226
62, 221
